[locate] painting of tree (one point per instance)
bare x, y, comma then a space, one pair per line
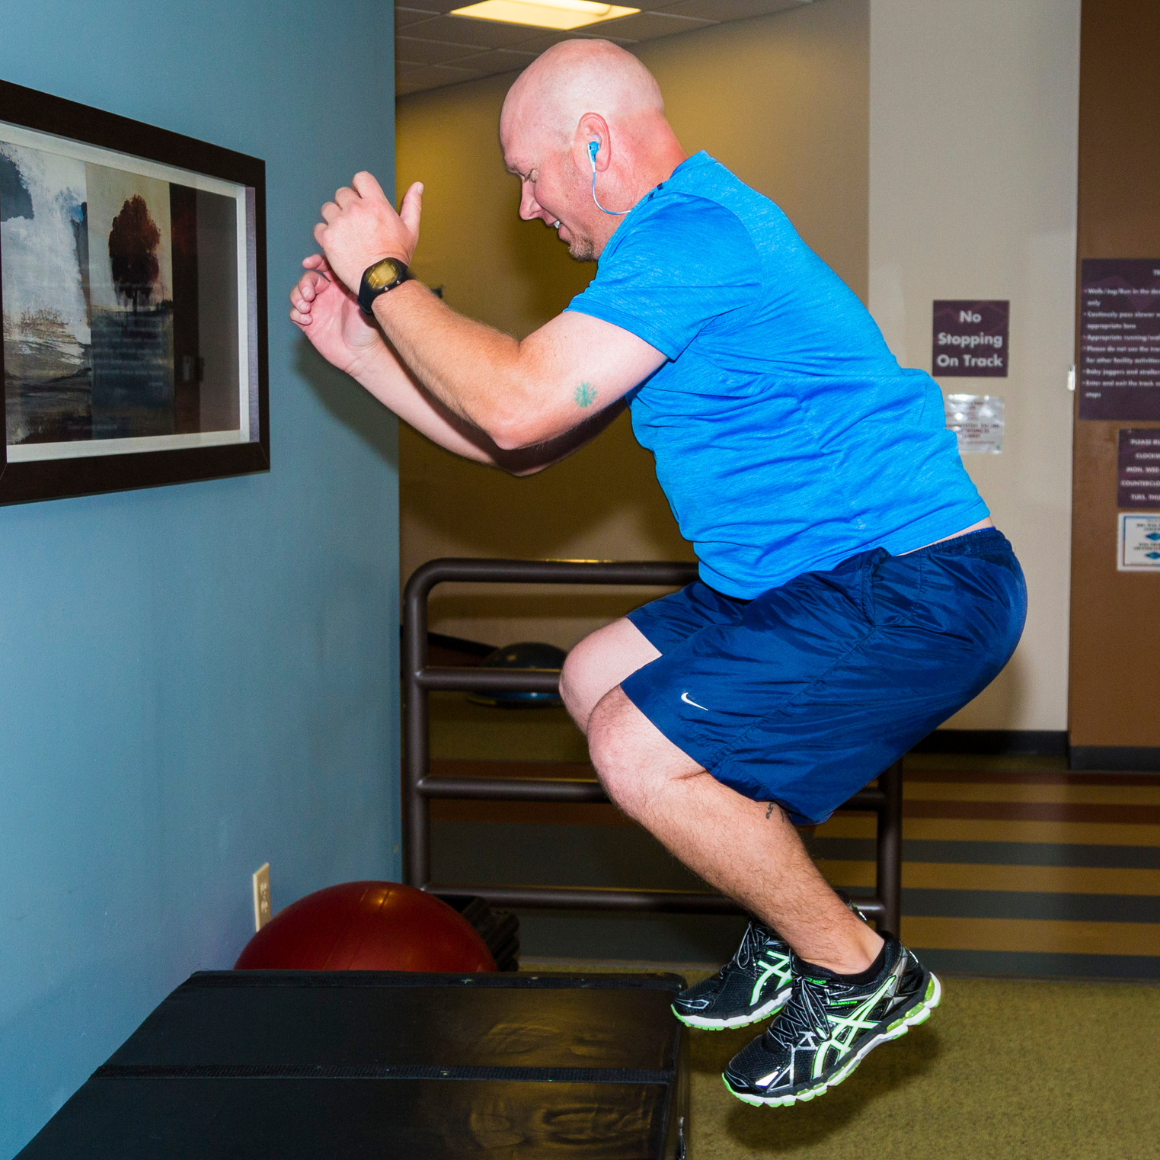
133, 243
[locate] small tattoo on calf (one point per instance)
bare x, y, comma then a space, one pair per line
585, 395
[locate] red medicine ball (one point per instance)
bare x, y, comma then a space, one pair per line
367, 926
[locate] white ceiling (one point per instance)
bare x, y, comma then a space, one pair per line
433, 49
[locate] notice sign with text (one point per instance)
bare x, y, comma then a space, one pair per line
1119, 338
1138, 474
970, 339
977, 421
1139, 546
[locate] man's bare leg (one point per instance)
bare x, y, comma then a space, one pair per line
746, 849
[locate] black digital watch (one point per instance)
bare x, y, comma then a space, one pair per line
384, 275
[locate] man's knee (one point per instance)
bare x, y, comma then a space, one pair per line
598, 664
581, 683
575, 677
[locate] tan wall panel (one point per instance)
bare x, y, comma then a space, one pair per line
973, 122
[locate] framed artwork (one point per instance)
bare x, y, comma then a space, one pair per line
133, 297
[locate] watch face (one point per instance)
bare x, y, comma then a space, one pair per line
383, 273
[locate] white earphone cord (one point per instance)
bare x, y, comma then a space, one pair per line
592, 157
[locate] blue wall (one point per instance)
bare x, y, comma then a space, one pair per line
197, 679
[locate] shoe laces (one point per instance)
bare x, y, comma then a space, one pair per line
805, 1012
757, 934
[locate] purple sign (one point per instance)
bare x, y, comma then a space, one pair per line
1119, 338
1138, 474
970, 340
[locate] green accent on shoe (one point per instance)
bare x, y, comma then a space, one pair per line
780, 968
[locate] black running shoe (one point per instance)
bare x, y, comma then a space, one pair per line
755, 984
828, 1027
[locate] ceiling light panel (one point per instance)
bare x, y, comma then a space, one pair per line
563, 15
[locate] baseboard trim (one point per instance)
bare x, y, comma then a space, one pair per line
996, 742
1137, 758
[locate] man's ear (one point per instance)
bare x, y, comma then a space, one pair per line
593, 143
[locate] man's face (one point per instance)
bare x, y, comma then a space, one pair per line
551, 188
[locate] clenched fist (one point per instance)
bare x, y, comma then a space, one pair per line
361, 226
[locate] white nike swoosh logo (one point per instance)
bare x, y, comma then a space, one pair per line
689, 701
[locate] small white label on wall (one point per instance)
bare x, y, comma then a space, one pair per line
977, 420
1139, 549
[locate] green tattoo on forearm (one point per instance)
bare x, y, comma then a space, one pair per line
585, 395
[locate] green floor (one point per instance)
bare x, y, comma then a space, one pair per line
1004, 1070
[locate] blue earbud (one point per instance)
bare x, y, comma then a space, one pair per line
593, 149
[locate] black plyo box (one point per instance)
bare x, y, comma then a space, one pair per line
390, 1065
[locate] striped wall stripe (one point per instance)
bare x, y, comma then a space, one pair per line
975, 877
968, 776
982, 853
993, 830
1033, 905
1043, 964
1005, 934
1116, 795
1090, 812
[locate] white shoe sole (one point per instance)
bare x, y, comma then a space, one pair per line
765, 1011
895, 1031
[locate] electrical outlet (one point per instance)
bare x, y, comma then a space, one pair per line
262, 910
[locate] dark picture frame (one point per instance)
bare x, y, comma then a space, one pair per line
127, 445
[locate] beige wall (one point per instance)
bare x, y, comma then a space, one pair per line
783, 101
973, 138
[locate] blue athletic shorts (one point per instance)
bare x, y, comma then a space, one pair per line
807, 692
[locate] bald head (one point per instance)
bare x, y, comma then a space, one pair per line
586, 117
577, 77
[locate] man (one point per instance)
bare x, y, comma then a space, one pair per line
853, 590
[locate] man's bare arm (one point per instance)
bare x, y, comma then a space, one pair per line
520, 393
326, 312
389, 381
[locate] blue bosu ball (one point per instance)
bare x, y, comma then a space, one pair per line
526, 654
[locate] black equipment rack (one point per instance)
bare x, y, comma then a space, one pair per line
420, 787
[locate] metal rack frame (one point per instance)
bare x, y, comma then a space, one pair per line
419, 787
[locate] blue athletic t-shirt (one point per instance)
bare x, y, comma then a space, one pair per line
786, 436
